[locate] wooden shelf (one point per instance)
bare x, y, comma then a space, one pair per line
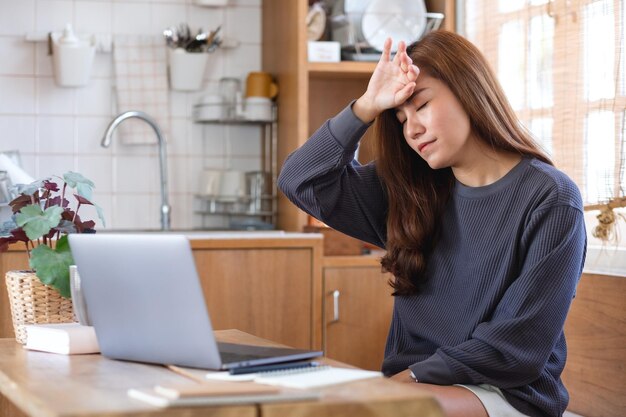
349, 69
311, 92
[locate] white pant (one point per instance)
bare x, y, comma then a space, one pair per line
493, 400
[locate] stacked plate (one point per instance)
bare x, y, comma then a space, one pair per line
366, 24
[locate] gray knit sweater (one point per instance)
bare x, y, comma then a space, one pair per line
500, 279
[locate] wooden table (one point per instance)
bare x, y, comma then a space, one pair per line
49, 385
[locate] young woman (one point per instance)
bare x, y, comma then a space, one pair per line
484, 237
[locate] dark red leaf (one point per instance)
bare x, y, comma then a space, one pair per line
19, 235
89, 224
67, 215
19, 203
83, 200
56, 201
50, 186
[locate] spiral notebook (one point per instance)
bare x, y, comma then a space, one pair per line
301, 378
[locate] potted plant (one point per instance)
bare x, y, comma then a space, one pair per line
43, 216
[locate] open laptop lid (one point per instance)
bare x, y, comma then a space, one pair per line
146, 304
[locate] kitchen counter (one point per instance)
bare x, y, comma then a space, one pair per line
221, 234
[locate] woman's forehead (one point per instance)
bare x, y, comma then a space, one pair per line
424, 81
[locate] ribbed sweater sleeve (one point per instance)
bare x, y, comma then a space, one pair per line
323, 179
512, 348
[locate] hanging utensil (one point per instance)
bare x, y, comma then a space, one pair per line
196, 44
171, 37
212, 34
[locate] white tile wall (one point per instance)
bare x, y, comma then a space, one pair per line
59, 129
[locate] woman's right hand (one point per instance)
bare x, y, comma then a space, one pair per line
391, 84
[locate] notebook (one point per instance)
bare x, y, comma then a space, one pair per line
146, 304
301, 378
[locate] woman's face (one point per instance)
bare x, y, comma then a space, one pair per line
435, 125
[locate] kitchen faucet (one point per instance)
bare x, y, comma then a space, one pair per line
106, 141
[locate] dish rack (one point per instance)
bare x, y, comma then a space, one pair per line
346, 29
257, 208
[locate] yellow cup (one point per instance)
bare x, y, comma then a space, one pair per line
260, 84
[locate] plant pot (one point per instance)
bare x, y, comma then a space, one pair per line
33, 302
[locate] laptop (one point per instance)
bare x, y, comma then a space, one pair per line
145, 301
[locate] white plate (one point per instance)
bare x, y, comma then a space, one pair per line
402, 20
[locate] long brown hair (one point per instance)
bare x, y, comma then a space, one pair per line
418, 194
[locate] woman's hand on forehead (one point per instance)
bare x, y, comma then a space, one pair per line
391, 84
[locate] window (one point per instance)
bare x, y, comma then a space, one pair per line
562, 64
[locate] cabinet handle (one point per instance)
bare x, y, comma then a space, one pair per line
336, 295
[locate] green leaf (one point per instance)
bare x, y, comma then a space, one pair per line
84, 190
52, 265
29, 189
66, 226
100, 214
36, 222
83, 185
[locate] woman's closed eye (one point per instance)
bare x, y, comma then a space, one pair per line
422, 106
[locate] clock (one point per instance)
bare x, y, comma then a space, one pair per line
315, 22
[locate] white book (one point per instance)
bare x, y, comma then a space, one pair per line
154, 397
64, 338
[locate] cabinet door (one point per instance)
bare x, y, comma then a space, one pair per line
357, 312
265, 292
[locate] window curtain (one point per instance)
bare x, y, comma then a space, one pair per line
562, 64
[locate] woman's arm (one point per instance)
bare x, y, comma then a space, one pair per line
324, 179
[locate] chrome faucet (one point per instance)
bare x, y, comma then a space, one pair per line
106, 141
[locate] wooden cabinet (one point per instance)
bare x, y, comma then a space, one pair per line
281, 289
311, 92
266, 292
357, 310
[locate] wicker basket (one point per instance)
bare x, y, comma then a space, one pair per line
35, 303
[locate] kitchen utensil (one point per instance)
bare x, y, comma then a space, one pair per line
249, 224
184, 34
260, 84
72, 57
258, 187
216, 43
171, 37
232, 185
196, 43
229, 88
399, 19
209, 108
210, 182
257, 108
212, 36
